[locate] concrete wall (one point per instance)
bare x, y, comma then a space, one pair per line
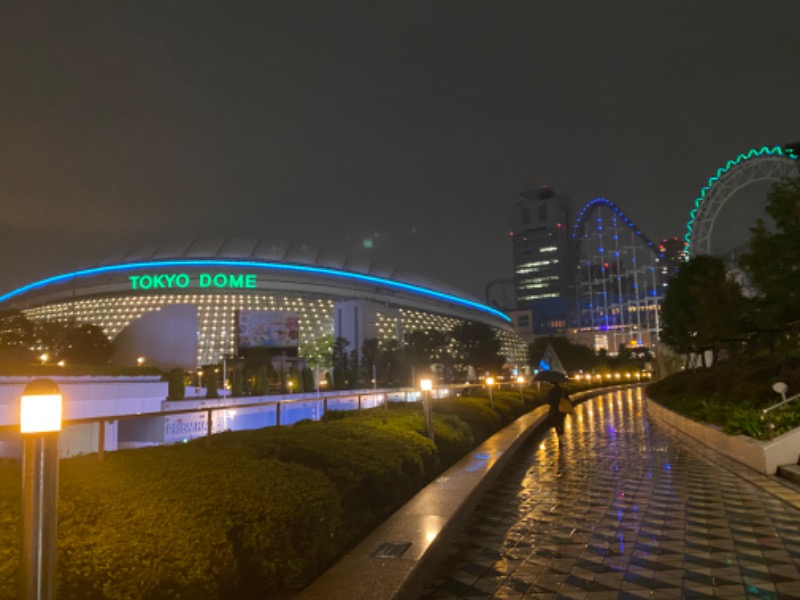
764, 457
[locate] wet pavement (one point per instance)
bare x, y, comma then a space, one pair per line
622, 510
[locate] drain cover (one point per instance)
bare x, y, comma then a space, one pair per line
391, 550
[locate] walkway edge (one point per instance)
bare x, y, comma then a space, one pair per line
427, 523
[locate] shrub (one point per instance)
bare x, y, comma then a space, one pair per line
732, 394
183, 521
374, 465
176, 385
10, 503
475, 412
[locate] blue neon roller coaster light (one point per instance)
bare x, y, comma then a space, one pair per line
256, 265
595, 204
763, 151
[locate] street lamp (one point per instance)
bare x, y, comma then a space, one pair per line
140, 361
39, 424
490, 384
520, 381
426, 385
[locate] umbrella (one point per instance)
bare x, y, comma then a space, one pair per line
551, 376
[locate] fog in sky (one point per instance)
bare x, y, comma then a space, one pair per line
411, 124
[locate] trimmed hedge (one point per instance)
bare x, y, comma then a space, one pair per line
252, 513
10, 503
183, 521
376, 459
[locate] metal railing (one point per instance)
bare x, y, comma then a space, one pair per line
341, 400
766, 413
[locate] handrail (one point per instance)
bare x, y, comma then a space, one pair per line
781, 403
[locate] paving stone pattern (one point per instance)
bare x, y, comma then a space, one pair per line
623, 510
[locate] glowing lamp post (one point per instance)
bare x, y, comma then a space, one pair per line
39, 424
140, 361
520, 381
426, 386
490, 385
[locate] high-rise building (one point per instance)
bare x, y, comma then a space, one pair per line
671, 255
542, 257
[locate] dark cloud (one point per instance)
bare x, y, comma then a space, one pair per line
330, 122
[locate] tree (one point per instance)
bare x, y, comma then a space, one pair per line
574, 357
340, 362
16, 337
475, 344
391, 363
307, 377
176, 384
81, 343
426, 347
702, 308
319, 352
212, 384
353, 373
237, 383
369, 360
87, 344
773, 260
261, 381
295, 379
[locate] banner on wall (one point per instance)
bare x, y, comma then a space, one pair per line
268, 329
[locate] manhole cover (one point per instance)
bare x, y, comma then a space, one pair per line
391, 549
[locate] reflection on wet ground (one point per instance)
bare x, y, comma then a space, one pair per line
622, 510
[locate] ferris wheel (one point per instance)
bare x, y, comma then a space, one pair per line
756, 166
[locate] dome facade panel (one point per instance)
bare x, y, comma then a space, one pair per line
141, 253
171, 249
358, 264
270, 250
206, 247
302, 254
331, 259
238, 248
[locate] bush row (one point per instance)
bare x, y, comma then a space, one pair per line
251, 513
733, 394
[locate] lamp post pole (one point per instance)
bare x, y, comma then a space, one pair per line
40, 423
426, 385
490, 385
520, 381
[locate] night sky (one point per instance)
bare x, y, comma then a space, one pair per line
413, 124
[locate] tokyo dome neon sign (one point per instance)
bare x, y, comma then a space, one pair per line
169, 281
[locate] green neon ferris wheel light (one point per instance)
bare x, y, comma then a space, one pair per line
763, 151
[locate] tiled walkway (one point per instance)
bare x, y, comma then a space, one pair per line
622, 510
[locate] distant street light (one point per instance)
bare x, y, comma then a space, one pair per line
490, 385
39, 424
520, 381
426, 385
140, 361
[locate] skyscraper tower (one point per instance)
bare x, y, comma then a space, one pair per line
542, 257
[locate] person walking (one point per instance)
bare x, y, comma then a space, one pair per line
557, 414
